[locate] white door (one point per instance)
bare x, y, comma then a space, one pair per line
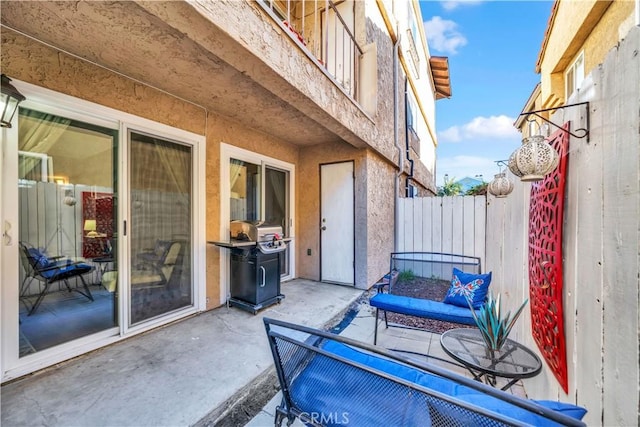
337, 223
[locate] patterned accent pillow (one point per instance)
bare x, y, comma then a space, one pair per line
467, 286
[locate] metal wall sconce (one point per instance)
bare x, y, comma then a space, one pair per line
583, 132
9, 101
501, 186
535, 157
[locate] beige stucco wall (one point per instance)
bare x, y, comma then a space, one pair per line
33, 62
380, 217
612, 27
594, 26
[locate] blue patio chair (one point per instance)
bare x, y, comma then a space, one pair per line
49, 270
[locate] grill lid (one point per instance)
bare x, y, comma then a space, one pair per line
255, 231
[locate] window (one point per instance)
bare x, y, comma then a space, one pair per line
412, 113
413, 37
574, 76
34, 166
245, 190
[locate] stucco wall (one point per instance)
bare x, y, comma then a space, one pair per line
613, 26
380, 217
33, 62
592, 25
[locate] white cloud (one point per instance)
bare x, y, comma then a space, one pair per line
494, 127
443, 35
451, 5
452, 134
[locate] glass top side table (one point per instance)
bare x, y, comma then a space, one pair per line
513, 361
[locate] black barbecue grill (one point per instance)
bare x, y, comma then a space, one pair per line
255, 264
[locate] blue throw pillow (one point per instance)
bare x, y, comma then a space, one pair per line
41, 259
467, 286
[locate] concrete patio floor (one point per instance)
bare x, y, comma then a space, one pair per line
211, 369
191, 372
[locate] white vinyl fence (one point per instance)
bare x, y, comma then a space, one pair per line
454, 225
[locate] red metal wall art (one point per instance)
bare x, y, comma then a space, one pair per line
97, 206
545, 261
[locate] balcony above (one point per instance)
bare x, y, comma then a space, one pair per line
227, 57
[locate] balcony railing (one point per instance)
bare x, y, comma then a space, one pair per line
325, 32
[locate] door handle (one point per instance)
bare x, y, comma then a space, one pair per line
264, 273
324, 227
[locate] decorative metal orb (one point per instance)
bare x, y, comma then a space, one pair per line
500, 186
533, 159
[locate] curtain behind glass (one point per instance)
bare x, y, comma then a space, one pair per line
161, 173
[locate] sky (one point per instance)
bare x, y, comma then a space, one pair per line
492, 48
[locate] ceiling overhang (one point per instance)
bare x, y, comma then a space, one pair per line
441, 78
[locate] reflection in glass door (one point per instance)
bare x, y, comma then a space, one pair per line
275, 210
160, 188
248, 203
67, 213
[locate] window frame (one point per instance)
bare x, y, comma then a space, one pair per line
227, 152
574, 75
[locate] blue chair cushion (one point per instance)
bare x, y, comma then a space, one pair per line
468, 288
568, 409
66, 270
336, 394
423, 308
326, 386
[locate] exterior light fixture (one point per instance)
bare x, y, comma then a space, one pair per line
535, 157
9, 101
501, 186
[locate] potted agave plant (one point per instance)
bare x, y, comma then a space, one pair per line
494, 327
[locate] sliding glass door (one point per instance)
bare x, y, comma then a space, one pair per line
103, 228
67, 213
260, 189
160, 192
276, 184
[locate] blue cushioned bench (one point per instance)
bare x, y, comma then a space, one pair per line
327, 379
426, 264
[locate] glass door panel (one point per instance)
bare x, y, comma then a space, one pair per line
67, 213
161, 217
276, 207
245, 184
